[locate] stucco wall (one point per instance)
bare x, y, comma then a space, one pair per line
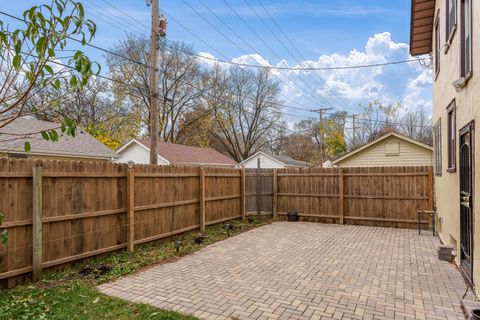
467, 104
137, 154
265, 162
375, 156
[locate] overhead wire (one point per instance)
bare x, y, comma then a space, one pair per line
284, 47
252, 30
187, 52
295, 48
236, 44
146, 65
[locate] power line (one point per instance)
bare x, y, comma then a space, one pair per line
295, 48
246, 64
115, 21
252, 30
126, 14
230, 40
283, 45
239, 64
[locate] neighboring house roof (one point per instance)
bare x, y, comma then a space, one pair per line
282, 159
421, 26
384, 137
181, 154
83, 145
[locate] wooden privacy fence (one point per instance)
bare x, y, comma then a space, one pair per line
57, 212
381, 196
259, 192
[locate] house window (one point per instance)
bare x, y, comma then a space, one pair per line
437, 141
452, 129
437, 44
466, 41
451, 17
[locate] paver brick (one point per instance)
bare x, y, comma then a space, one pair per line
305, 271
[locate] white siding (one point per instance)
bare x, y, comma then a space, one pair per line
137, 154
265, 162
381, 155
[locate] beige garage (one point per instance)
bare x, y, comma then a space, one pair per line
389, 150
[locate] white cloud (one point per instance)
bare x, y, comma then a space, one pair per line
408, 83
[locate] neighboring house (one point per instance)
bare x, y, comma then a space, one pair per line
449, 30
391, 149
268, 160
138, 151
81, 147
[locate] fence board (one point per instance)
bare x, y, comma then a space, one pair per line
85, 204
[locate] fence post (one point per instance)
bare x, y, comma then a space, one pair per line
430, 188
243, 192
131, 208
202, 199
274, 194
259, 189
341, 197
37, 258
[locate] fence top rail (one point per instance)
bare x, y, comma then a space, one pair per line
307, 174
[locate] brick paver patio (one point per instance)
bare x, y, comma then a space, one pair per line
305, 271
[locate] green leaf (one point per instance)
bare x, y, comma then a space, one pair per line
27, 147
81, 11
53, 135
49, 69
57, 84
45, 135
4, 236
40, 46
17, 60
73, 83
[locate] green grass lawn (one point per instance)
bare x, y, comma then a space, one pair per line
71, 294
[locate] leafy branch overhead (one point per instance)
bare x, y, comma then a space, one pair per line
29, 64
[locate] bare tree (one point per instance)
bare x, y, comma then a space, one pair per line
96, 109
180, 81
417, 125
246, 110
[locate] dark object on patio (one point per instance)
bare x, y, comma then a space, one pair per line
178, 244
251, 219
228, 227
445, 252
198, 239
475, 314
292, 216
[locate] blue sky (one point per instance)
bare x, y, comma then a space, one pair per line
327, 33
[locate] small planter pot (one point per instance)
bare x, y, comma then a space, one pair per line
292, 216
475, 314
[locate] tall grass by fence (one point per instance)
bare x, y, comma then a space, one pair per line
58, 212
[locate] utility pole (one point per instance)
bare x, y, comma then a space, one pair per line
354, 129
354, 141
156, 31
321, 111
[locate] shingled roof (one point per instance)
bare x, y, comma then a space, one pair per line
83, 145
286, 160
181, 154
283, 159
